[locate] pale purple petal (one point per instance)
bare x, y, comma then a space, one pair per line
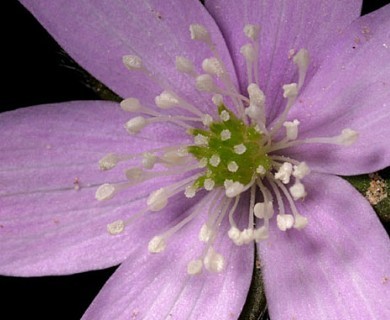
98, 33
351, 90
150, 286
338, 267
286, 27
50, 221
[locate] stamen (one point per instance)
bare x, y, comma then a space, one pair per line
135, 125
284, 221
298, 191
239, 149
224, 115
301, 170
213, 66
157, 244
184, 65
215, 160
233, 188
194, 267
200, 33
302, 60
291, 129
213, 261
132, 62
232, 166
105, 192
225, 134
116, 227
209, 184
157, 200
166, 100
108, 162
217, 100
284, 172
252, 31
205, 83
131, 105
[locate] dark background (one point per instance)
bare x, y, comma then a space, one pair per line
34, 70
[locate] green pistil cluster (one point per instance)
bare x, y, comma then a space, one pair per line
229, 149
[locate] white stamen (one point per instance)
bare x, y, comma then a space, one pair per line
132, 62
239, 148
225, 134
284, 172
205, 82
347, 137
298, 191
264, 210
203, 163
302, 60
232, 166
207, 120
233, 188
135, 124
166, 100
184, 65
130, 105
214, 261
261, 170
300, 222
248, 52
205, 233
291, 129
116, 227
252, 31
256, 95
215, 160
301, 170
157, 200
234, 234
135, 174
105, 192
149, 160
157, 244
290, 90
224, 115
108, 162
200, 33
174, 158
247, 235
260, 234
194, 267
209, 184
217, 100
201, 140
212, 66
284, 221
190, 192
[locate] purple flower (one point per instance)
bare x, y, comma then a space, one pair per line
234, 106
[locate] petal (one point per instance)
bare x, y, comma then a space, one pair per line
351, 90
286, 26
337, 267
157, 286
97, 34
50, 221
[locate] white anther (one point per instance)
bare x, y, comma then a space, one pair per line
298, 190
264, 210
217, 99
203, 163
207, 120
157, 244
291, 129
200, 33
347, 137
116, 227
205, 233
290, 90
209, 184
256, 95
194, 267
212, 66
254, 112
261, 170
201, 140
233, 189
252, 31
232, 166
284, 172
214, 261
301, 170
300, 222
247, 235
205, 82
132, 62
184, 65
239, 148
234, 234
190, 192
173, 158
105, 192
135, 125
248, 52
302, 60
215, 160
284, 221
148, 160
135, 174
157, 200
224, 115
166, 100
225, 134
260, 234
130, 105
108, 162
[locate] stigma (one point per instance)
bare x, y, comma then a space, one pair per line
234, 151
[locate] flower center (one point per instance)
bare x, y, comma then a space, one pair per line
231, 153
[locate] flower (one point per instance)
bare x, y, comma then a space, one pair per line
49, 154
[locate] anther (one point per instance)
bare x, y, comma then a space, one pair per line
284, 172
260, 234
157, 244
212, 66
302, 60
205, 82
290, 90
205, 233
239, 148
200, 33
157, 200
116, 227
105, 192
232, 166
248, 52
251, 31
108, 162
347, 137
200, 140
233, 188
132, 62
217, 99
135, 124
215, 160
291, 129
224, 115
300, 222
209, 184
213, 261
207, 120
284, 221
184, 65
190, 192
264, 210
301, 170
194, 267
130, 105
298, 191
225, 134
149, 160
166, 100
